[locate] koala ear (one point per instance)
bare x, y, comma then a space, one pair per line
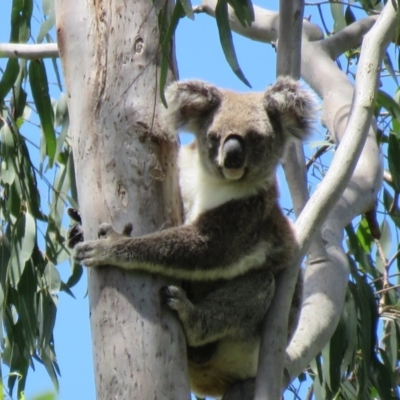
188, 102
291, 107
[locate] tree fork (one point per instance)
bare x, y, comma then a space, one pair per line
125, 172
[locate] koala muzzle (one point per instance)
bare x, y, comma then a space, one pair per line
233, 153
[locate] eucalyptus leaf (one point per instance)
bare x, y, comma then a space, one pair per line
225, 37
40, 93
394, 160
24, 239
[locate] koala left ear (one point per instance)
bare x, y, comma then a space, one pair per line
291, 106
189, 102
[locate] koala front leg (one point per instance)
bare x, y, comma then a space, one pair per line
237, 308
211, 248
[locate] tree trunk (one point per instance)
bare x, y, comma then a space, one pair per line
125, 172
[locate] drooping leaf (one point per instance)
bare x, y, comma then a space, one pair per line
389, 67
188, 8
21, 14
338, 16
225, 37
394, 160
40, 93
8, 78
24, 239
387, 102
167, 27
392, 209
349, 16
243, 10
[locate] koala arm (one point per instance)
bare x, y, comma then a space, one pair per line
222, 243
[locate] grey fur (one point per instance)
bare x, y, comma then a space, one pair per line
235, 239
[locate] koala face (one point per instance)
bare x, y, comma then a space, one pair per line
237, 141
240, 136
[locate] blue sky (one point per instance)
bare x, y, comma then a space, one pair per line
199, 56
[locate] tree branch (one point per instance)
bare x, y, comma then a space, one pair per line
273, 341
349, 37
321, 275
28, 51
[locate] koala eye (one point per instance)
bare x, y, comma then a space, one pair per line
213, 137
255, 137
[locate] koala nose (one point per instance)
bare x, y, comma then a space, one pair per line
233, 152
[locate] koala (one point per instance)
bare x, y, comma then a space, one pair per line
235, 238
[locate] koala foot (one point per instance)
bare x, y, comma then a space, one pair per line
174, 297
75, 232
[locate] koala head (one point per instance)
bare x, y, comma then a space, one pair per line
240, 136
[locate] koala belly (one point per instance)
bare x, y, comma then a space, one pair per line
231, 361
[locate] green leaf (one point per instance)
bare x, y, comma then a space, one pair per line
381, 379
333, 355
387, 102
338, 16
8, 78
8, 172
243, 10
46, 318
225, 37
394, 160
364, 236
40, 93
349, 16
167, 29
52, 278
27, 305
393, 212
24, 239
188, 8
45, 396
21, 14
389, 66
47, 7
48, 359
46, 26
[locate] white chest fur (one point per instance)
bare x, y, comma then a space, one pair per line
200, 191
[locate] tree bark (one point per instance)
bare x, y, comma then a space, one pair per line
125, 172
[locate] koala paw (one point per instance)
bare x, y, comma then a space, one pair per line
175, 298
92, 253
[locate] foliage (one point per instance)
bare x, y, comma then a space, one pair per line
32, 235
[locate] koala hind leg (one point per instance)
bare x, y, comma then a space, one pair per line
237, 308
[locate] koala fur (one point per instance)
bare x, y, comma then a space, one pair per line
235, 238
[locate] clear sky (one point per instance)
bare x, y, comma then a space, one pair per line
199, 56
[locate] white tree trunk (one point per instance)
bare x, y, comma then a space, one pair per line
125, 172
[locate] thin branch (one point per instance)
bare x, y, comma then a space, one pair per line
345, 3
349, 37
28, 51
386, 289
273, 341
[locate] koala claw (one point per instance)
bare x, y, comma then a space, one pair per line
173, 296
105, 230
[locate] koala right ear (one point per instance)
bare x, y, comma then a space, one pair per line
188, 102
291, 106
